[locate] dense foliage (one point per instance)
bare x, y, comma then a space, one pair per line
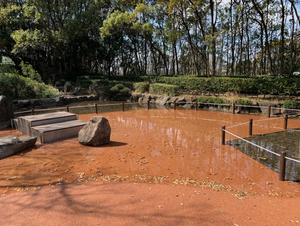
291, 104
219, 100
66, 39
141, 87
211, 99
119, 88
163, 89
221, 85
15, 86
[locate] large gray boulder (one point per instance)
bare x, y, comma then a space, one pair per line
96, 132
6, 112
162, 100
68, 87
11, 144
93, 89
264, 108
146, 98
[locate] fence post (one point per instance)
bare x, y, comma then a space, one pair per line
223, 135
285, 121
32, 111
282, 166
42, 139
67, 108
196, 105
148, 104
269, 111
96, 109
123, 106
233, 108
175, 104
250, 126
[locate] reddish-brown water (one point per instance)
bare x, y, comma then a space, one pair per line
178, 147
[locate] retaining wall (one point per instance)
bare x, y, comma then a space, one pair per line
186, 102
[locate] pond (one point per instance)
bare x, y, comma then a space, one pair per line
153, 146
288, 141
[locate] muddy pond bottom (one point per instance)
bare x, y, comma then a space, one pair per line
152, 146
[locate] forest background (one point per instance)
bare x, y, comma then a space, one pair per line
66, 39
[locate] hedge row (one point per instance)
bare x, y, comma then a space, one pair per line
163, 89
104, 82
285, 86
88, 79
218, 100
141, 87
291, 104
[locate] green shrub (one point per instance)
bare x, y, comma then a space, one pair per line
105, 88
141, 87
210, 99
124, 83
291, 104
15, 86
163, 89
120, 88
241, 101
29, 71
256, 85
7, 68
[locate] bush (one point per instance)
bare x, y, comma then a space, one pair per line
257, 85
241, 101
210, 99
120, 88
7, 68
291, 104
15, 86
141, 87
163, 89
105, 88
29, 72
124, 83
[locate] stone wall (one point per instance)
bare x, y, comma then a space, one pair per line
186, 102
23, 105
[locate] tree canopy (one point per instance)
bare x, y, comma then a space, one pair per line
64, 38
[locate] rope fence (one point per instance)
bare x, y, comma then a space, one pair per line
282, 155
197, 104
252, 143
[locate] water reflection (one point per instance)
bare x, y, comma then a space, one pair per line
288, 141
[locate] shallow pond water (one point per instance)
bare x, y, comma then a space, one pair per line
174, 147
88, 107
288, 141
